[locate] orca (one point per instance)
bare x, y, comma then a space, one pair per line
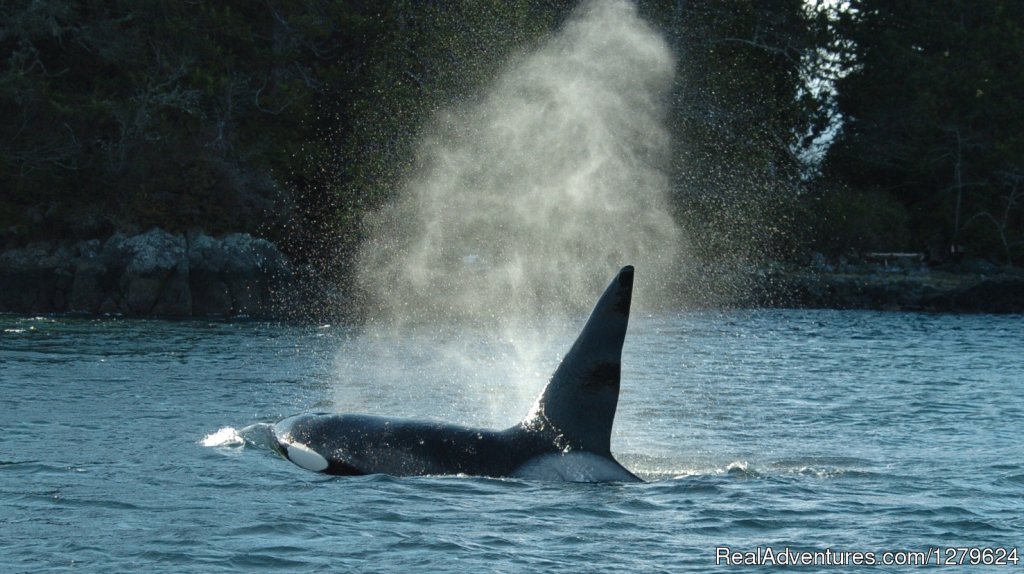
566, 436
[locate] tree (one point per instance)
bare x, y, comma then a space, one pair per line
738, 115
932, 117
124, 115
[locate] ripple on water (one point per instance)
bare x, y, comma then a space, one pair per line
31, 467
790, 434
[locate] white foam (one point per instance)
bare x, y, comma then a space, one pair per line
225, 436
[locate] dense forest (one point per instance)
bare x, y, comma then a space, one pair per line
797, 128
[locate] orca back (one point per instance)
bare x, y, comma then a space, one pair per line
566, 437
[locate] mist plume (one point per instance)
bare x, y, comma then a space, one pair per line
529, 200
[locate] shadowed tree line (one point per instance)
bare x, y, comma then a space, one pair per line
291, 118
280, 117
934, 134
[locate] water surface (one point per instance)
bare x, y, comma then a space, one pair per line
810, 430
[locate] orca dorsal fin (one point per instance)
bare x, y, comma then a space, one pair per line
580, 400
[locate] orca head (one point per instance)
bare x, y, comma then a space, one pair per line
294, 440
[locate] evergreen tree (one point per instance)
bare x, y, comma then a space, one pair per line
932, 119
738, 115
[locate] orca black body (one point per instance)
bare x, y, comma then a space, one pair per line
566, 436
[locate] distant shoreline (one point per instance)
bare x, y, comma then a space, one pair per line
152, 274
158, 274
930, 290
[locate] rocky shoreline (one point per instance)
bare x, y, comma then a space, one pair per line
162, 274
972, 287
936, 292
153, 274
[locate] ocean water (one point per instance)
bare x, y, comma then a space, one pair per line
127, 447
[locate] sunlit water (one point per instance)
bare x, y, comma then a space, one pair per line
125, 449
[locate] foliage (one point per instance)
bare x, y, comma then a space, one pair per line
932, 113
294, 117
853, 221
738, 113
284, 117
130, 114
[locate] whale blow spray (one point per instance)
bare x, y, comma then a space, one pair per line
522, 203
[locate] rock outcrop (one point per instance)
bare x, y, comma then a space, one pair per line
915, 286
156, 273
922, 290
